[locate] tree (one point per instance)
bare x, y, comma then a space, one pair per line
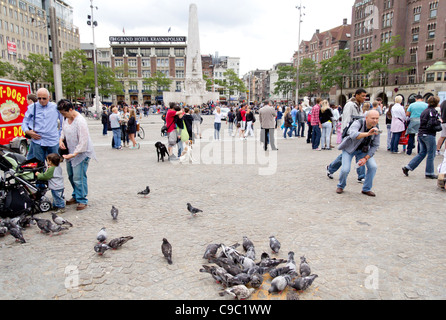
77, 73
378, 65
232, 83
286, 81
158, 83
37, 68
308, 77
6, 69
107, 84
335, 70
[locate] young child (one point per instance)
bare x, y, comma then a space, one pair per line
55, 181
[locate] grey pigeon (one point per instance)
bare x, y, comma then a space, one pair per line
302, 283
251, 253
17, 234
304, 267
240, 292
60, 221
247, 263
100, 248
256, 280
244, 278
211, 250
166, 248
43, 225
278, 284
114, 212
118, 242
102, 235
229, 265
275, 272
274, 244
290, 262
3, 231
145, 192
247, 243
193, 210
267, 262
212, 270
55, 228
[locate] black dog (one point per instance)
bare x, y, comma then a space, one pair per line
161, 150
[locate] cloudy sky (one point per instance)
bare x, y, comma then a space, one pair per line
260, 32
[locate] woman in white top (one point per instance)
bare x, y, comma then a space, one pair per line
398, 123
80, 151
217, 123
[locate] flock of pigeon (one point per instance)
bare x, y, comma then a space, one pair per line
241, 275
15, 226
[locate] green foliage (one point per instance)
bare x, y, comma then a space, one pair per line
77, 73
158, 82
286, 81
37, 68
232, 83
308, 77
6, 69
335, 70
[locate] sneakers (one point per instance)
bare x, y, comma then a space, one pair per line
433, 176
330, 175
361, 180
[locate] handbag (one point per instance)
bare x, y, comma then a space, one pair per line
34, 122
184, 134
63, 152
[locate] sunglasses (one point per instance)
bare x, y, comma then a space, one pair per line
42, 98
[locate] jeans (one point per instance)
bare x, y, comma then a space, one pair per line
268, 138
249, 131
300, 128
395, 140
290, 132
124, 134
411, 144
39, 152
389, 137
104, 129
337, 163
427, 148
326, 135
217, 127
78, 178
346, 165
58, 199
316, 137
310, 132
116, 138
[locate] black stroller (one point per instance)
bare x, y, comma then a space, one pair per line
19, 192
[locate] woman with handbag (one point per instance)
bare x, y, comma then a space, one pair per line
398, 125
131, 128
430, 124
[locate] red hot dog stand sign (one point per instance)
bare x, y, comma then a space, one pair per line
13, 105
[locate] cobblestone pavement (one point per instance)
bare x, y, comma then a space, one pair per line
388, 247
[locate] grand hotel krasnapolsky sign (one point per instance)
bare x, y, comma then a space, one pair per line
147, 39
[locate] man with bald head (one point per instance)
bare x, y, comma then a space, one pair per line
362, 142
43, 123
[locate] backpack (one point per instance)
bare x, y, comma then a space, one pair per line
345, 131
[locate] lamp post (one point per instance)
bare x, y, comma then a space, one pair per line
298, 52
94, 24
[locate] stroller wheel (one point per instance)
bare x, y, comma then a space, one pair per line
44, 206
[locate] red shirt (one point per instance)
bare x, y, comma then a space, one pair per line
243, 113
170, 121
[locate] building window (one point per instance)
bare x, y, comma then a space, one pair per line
133, 74
146, 74
430, 77
179, 52
178, 86
387, 19
145, 62
431, 30
132, 63
118, 52
179, 74
119, 63
131, 52
429, 52
439, 76
179, 63
433, 7
162, 52
416, 14
162, 63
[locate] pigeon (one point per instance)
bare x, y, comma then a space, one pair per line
227, 264
55, 227
246, 263
193, 210
256, 280
166, 248
100, 248
214, 271
17, 234
267, 262
43, 225
114, 212
290, 262
243, 278
145, 192
274, 244
3, 231
230, 252
240, 292
102, 235
278, 284
60, 221
118, 242
251, 253
275, 272
211, 250
304, 268
302, 283
247, 243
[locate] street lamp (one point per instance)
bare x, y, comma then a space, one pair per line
300, 7
94, 24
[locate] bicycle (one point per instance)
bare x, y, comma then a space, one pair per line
140, 131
